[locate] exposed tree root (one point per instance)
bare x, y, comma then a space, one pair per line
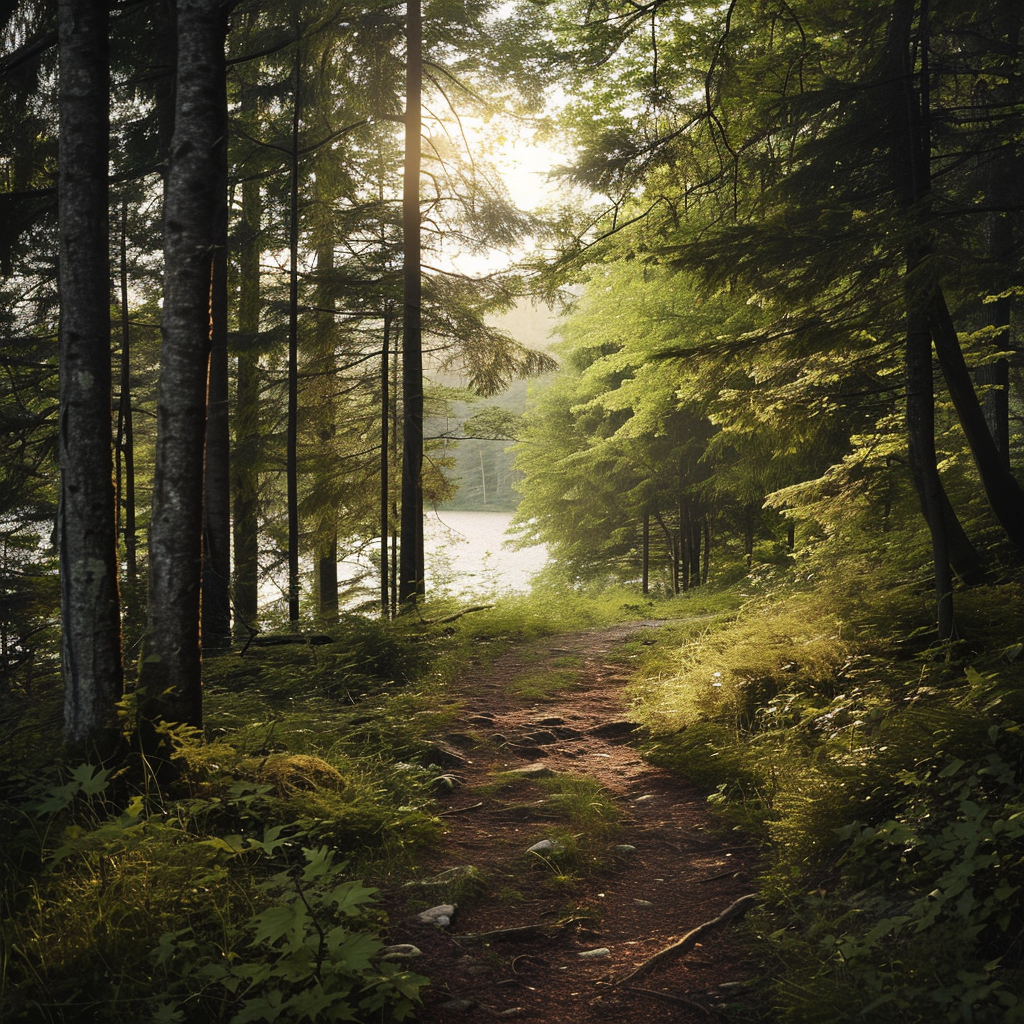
683, 946
667, 997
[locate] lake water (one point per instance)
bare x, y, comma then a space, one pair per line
465, 554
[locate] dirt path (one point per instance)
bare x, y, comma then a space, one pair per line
558, 705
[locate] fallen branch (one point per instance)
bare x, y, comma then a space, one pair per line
526, 931
717, 878
257, 639
460, 810
456, 615
691, 938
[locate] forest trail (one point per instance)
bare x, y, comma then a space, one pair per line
558, 704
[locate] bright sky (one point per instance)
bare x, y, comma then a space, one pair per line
524, 163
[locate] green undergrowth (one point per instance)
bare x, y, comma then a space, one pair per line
883, 773
247, 889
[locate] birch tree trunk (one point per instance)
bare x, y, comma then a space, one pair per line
87, 519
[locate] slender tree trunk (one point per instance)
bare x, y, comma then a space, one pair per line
170, 681
921, 449
90, 607
1002, 489
395, 514
324, 372
672, 543
749, 511
707, 548
385, 482
695, 535
125, 424
244, 465
645, 557
684, 544
411, 584
1004, 171
216, 601
911, 172
292, 454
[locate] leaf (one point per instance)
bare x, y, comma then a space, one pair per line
279, 922
267, 1007
91, 780
349, 897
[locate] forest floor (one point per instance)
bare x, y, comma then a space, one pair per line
631, 890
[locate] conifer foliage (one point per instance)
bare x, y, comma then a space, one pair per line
844, 170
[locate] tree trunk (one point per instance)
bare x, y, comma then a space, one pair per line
707, 548
911, 172
385, 483
685, 536
247, 406
923, 467
125, 424
1003, 169
170, 682
695, 534
323, 371
411, 584
749, 512
90, 607
292, 443
216, 601
1004, 493
645, 556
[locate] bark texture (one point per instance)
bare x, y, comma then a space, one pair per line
171, 671
292, 440
411, 558
216, 602
247, 406
90, 607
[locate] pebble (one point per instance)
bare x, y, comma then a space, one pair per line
594, 954
439, 916
624, 849
533, 771
547, 846
643, 903
401, 951
645, 799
